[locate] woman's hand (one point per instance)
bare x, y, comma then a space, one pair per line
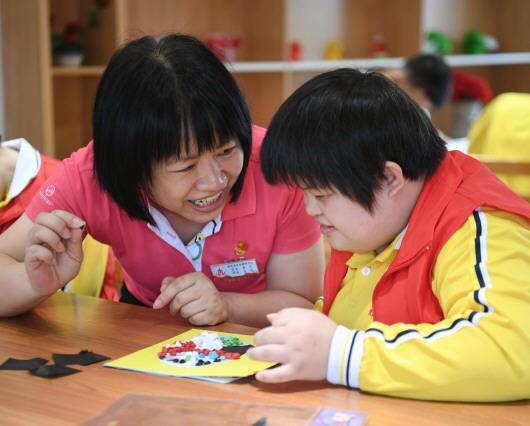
54, 251
300, 340
195, 298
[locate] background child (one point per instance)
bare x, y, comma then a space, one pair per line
434, 303
426, 78
23, 170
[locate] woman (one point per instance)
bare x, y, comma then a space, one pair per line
172, 183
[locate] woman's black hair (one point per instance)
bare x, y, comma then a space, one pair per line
156, 98
337, 131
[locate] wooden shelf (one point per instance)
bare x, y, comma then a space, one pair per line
493, 59
52, 106
375, 63
83, 71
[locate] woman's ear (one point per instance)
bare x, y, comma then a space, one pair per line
394, 181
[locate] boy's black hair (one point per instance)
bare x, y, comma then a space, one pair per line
156, 98
337, 131
431, 74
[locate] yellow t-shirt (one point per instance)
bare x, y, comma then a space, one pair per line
352, 306
503, 130
479, 352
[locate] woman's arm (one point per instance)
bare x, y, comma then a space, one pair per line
293, 280
37, 258
18, 294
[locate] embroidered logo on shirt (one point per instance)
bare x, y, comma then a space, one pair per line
49, 191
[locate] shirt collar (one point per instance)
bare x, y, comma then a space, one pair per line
245, 205
399, 238
362, 259
193, 250
436, 194
27, 166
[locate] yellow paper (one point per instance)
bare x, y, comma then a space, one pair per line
147, 361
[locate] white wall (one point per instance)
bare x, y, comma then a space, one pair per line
314, 23
443, 15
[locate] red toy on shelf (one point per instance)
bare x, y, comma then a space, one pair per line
379, 47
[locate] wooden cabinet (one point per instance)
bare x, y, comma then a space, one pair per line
51, 106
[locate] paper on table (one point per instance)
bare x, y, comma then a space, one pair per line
147, 361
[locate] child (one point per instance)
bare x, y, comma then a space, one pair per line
22, 171
434, 302
426, 78
172, 184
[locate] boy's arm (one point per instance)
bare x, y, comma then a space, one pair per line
479, 352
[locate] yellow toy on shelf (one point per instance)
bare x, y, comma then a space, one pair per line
334, 51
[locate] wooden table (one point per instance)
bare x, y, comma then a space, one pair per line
68, 323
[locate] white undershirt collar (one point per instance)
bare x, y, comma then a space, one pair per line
194, 249
27, 166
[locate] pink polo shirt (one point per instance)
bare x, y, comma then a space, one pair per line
266, 219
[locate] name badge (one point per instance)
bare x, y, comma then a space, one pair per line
235, 268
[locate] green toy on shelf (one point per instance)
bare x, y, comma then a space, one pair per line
475, 42
438, 42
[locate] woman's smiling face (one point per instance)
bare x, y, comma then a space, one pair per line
195, 188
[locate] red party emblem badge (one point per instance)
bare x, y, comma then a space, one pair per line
241, 248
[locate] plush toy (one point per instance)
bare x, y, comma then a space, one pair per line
475, 42
295, 51
438, 42
379, 47
334, 51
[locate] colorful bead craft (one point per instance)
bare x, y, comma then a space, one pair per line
204, 349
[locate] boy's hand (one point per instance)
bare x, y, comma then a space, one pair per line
54, 251
299, 339
194, 297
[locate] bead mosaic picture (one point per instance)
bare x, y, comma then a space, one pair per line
202, 350
206, 355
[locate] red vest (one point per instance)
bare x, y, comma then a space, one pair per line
404, 294
17, 206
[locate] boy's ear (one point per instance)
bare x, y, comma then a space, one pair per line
394, 181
